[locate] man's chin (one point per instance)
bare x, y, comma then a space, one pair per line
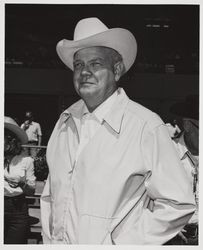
86, 90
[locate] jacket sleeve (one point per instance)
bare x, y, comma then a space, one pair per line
168, 188
46, 218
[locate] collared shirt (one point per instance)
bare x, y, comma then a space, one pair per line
122, 189
33, 131
190, 164
90, 122
21, 168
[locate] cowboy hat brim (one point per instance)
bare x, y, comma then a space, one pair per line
17, 131
118, 39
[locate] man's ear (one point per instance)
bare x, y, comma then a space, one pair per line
118, 70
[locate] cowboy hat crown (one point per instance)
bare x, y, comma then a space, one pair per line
94, 25
90, 32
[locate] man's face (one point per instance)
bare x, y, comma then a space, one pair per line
93, 74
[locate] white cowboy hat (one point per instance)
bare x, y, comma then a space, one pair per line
92, 32
10, 124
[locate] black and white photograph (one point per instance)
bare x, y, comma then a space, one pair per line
101, 123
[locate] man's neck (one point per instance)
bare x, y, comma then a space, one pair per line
93, 103
91, 107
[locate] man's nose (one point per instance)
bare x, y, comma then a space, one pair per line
86, 70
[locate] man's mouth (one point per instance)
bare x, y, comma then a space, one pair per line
86, 83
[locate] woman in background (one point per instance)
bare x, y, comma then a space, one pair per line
19, 181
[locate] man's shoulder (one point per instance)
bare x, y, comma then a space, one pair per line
28, 159
35, 123
22, 157
144, 114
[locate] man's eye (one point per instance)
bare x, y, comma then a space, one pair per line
77, 65
95, 64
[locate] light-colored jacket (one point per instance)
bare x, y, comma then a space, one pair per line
127, 186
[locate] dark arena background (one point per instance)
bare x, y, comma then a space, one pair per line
166, 67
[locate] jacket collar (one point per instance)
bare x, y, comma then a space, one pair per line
113, 118
75, 110
182, 148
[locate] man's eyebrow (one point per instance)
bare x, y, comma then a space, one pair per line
97, 59
91, 60
77, 60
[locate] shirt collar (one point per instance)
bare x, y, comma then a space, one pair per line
116, 104
184, 152
182, 146
115, 116
105, 107
76, 110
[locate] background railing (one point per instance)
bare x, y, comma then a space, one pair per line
38, 153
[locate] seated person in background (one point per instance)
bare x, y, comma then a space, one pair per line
19, 181
187, 145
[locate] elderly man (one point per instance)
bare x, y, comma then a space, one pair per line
114, 174
187, 145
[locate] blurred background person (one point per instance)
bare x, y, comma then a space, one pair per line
33, 131
19, 181
187, 145
173, 128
